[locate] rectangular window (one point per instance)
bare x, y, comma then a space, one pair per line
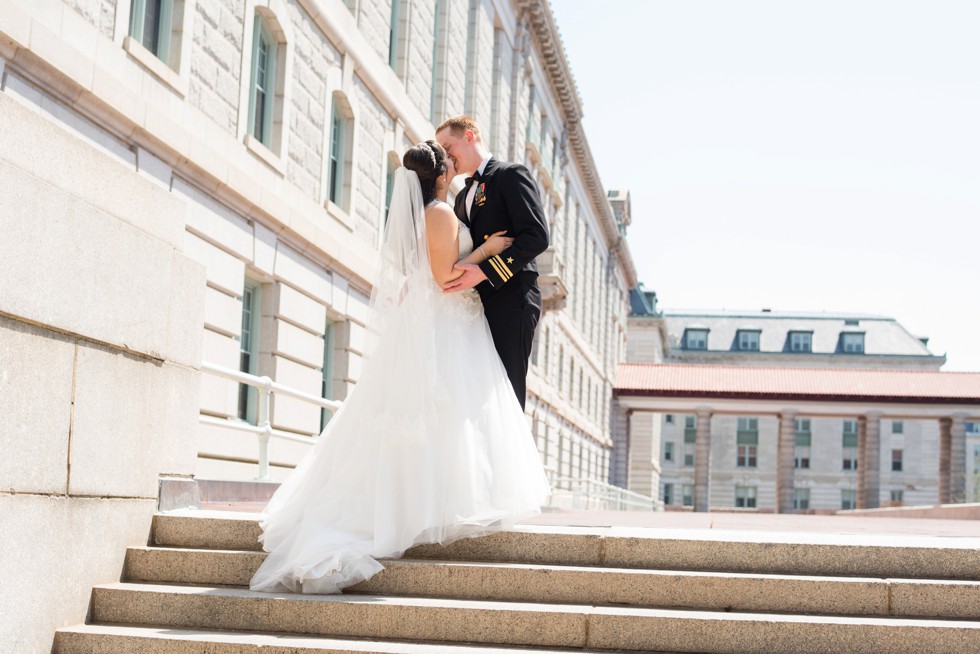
745, 497
801, 499
748, 340
802, 454
973, 427
150, 24
262, 91
849, 442
852, 343
896, 460
690, 439
898, 427
248, 349
670, 419
688, 494
393, 35
669, 451
668, 494
326, 373
335, 182
898, 496
848, 499
801, 341
696, 339
747, 442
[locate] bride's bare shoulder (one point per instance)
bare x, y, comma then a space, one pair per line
440, 215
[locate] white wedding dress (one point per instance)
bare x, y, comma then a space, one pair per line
430, 446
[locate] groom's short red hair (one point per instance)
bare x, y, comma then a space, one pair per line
459, 124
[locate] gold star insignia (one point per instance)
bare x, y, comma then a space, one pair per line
486, 236
510, 260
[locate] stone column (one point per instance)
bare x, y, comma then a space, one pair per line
785, 461
945, 446
952, 459
702, 460
869, 461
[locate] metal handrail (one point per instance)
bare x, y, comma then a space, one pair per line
263, 429
595, 494
586, 493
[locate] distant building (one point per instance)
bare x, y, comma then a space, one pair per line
744, 446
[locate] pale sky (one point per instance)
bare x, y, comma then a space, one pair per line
818, 155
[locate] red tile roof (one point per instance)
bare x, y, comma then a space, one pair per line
841, 384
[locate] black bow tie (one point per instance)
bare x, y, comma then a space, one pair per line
475, 178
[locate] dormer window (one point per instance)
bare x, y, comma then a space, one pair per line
748, 340
801, 341
695, 339
852, 342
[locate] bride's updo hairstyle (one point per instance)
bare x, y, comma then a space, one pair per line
428, 160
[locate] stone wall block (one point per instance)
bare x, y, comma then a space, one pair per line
50, 153
135, 419
35, 402
77, 542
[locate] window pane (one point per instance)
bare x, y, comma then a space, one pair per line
151, 25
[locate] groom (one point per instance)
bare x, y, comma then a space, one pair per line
500, 196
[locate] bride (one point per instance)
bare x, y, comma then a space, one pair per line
431, 445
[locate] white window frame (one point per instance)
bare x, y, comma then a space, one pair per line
274, 15
251, 311
749, 340
137, 17
746, 497
698, 343
326, 371
801, 499
687, 494
900, 460
801, 341
852, 342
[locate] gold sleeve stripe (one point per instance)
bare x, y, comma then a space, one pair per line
504, 266
499, 271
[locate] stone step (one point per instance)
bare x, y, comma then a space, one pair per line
519, 582
916, 557
125, 639
522, 624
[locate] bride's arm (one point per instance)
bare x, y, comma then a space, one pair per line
442, 234
496, 244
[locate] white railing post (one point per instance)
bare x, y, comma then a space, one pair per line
265, 401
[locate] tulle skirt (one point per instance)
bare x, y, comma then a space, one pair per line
430, 446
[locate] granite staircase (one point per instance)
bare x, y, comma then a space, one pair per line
547, 589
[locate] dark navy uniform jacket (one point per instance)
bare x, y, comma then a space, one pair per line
506, 199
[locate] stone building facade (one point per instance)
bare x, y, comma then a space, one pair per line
744, 447
191, 182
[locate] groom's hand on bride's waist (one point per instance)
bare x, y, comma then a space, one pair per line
472, 275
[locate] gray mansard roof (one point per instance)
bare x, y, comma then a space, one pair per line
882, 335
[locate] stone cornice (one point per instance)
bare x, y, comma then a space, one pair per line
538, 16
